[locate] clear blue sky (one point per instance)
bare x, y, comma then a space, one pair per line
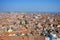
30, 5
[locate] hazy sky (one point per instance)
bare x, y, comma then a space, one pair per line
30, 5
